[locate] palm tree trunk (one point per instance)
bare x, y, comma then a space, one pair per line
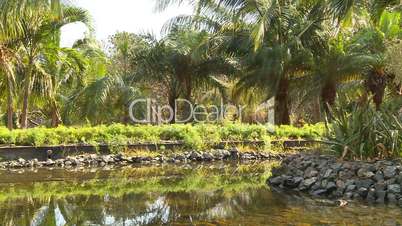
27, 93
55, 116
282, 113
10, 110
172, 103
328, 95
376, 84
24, 114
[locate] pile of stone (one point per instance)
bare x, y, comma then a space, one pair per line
94, 160
375, 182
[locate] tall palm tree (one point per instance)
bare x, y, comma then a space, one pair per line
41, 31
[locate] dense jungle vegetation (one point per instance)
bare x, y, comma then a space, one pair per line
319, 60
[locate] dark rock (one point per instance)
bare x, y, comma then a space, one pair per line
394, 188
346, 174
379, 176
348, 195
195, 156
331, 186
234, 153
319, 192
371, 195
365, 183
207, 156
293, 182
399, 178
351, 187
389, 172
276, 180
391, 198
363, 192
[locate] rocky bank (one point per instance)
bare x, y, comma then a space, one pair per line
95, 160
319, 175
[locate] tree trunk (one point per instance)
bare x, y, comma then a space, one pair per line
55, 116
316, 110
27, 93
172, 103
328, 95
10, 110
282, 114
376, 83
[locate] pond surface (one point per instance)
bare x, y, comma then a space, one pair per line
210, 194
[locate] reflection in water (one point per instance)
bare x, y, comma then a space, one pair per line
214, 194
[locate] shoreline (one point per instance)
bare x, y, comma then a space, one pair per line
100, 160
324, 176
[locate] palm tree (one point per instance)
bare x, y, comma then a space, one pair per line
182, 62
41, 30
334, 66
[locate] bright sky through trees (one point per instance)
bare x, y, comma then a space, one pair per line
121, 15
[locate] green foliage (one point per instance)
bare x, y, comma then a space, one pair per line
358, 131
199, 136
306, 132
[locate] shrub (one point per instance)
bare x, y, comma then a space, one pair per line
194, 136
358, 131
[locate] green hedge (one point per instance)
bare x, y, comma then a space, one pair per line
194, 136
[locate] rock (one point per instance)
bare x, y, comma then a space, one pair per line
371, 195
234, 153
363, 192
21, 161
391, 198
309, 182
327, 173
365, 173
389, 172
293, 182
379, 176
365, 183
351, 187
319, 192
195, 156
331, 186
49, 162
276, 180
310, 172
346, 174
399, 178
394, 188
348, 195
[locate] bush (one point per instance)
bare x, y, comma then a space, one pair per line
194, 136
358, 131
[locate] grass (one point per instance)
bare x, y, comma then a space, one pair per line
198, 136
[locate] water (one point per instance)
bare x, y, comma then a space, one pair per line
210, 194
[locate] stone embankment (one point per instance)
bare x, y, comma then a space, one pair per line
325, 176
95, 160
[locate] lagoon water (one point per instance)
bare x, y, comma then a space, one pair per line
189, 194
